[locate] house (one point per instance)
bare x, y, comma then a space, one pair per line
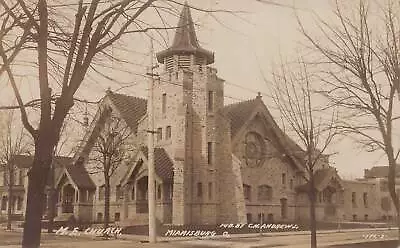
19, 185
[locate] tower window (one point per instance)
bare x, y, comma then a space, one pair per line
159, 192
159, 134
210, 101
168, 132
199, 190
210, 152
164, 103
247, 192
283, 178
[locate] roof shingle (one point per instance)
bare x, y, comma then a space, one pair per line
321, 179
131, 108
163, 164
239, 113
80, 176
78, 172
185, 40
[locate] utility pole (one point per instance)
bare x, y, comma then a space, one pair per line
151, 167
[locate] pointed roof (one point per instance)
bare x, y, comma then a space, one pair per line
163, 164
322, 177
77, 172
185, 40
239, 113
131, 108
164, 167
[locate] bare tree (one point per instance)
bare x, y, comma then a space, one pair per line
295, 98
111, 149
359, 59
12, 142
60, 149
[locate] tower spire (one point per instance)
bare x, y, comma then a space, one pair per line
185, 40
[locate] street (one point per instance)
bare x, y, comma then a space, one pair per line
345, 239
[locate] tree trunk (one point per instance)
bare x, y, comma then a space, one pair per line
398, 229
37, 178
51, 210
392, 186
51, 201
107, 202
10, 198
313, 219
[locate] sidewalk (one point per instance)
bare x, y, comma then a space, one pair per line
250, 235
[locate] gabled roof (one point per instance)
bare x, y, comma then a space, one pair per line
80, 176
131, 108
239, 113
322, 177
185, 40
163, 164
77, 172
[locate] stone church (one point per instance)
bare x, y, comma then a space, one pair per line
214, 163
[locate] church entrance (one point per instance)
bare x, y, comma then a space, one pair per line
68, 199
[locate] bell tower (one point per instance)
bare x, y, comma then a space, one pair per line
185, 51
190, 94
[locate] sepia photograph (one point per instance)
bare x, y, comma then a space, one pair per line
200, 123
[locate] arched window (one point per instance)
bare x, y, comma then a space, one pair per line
199, 190
247, 192
264, 193
284, 208
19, 203
159, 192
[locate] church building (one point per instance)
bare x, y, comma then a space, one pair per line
214, 163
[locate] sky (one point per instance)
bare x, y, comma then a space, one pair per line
246, 45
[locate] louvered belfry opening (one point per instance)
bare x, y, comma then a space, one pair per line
185, 50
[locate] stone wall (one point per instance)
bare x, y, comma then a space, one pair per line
356, 210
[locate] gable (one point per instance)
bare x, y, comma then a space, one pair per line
243, 114
163, 164
324, 178
129, 108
